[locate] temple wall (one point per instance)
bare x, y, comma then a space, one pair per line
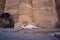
12, 7
41, 12
45, 13
2, 5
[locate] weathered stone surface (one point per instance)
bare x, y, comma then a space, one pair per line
12, 6
42, 3
45, 17
2, 5
2, 1
11, 1
12, 12
25, 9
42, 11
15, 17
25, 18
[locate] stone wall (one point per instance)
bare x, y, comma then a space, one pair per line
12, 7
58, 7
45, 13
18, 7
2, 5
42, 12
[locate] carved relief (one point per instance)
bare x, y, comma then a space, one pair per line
13, 6
42, 11
42, 3
11, 1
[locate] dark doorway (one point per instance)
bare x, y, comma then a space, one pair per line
7, 20
57, 2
